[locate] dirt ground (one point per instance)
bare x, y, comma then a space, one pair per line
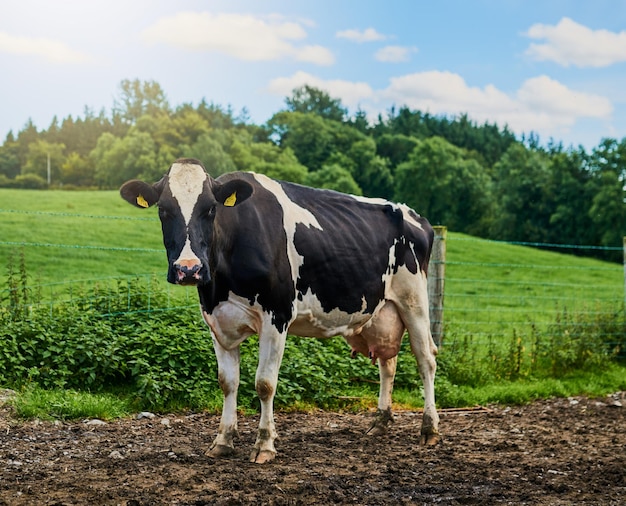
557, 452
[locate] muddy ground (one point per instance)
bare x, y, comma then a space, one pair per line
562, 451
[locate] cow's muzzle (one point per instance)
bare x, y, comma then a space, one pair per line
188, 272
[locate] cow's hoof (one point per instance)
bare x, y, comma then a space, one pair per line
380, 423
430, 439
219, 451
261, 457
376, 430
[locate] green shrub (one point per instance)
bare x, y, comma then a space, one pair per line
118, 338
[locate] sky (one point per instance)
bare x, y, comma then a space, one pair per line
553, 67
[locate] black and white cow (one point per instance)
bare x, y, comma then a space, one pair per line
272, 258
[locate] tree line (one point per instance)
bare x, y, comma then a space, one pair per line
475, 178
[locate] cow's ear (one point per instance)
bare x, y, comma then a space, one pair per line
232, 193
140, 194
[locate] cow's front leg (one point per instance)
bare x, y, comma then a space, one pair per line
228, 377
387, 372
271, 348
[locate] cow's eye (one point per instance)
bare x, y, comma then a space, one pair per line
211, 211
162, 213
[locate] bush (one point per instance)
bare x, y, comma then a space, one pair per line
120, 339
29, 181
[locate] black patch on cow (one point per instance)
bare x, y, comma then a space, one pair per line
345, 262
248, 254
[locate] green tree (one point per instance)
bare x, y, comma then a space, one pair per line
522, 193
607, 165
395, 147
571, 191
209, 150
9, 157
266, 158
137, 98
308, 99
370, 171
118, 160
37, 160
309, 136
446, 185
333, 177
77, 170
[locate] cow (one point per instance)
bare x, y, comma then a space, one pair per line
273, 258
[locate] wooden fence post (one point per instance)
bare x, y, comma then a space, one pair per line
436, 279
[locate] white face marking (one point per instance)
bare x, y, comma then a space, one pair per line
186, 183
293, 215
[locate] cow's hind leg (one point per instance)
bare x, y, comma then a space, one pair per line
413, 307
387, 372
228, 377
271, 348
424, 349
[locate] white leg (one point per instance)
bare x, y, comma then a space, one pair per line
228, 377
415, 315
271, 348
387, 373
425, 351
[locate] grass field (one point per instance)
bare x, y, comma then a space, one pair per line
490, 286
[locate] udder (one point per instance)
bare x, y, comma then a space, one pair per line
381, 337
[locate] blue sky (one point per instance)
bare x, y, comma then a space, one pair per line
555, 67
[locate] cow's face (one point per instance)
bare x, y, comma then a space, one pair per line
188, 200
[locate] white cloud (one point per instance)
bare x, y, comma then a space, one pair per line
350, 93
241, 36
52, 50
570, 43
394, 54
545, 94
315, 54
541, 104
367, 35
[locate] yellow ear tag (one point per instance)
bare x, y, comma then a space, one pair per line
141, 201
230, 201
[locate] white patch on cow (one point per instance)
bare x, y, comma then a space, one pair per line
312, 321
377, 201
293, 215
391, 262
187, 253
407, 216
382, 202
233, 320
186, 182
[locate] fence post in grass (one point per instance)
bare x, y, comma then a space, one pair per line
436, 279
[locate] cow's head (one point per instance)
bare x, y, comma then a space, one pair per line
189, 201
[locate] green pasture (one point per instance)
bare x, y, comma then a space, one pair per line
492, 287
72, 236
79, 235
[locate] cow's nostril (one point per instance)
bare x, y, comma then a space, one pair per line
187, 271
